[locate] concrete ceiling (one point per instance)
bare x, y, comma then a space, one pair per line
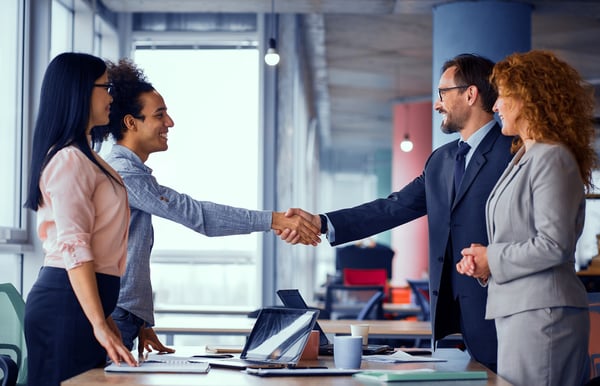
369, 54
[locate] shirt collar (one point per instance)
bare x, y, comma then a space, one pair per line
127, 153
476, 138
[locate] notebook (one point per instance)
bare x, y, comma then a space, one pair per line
157, 363
277, 339
293, 299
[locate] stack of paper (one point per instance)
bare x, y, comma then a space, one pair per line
400, 357
162, 364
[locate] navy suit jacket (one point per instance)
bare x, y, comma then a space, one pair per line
454, 223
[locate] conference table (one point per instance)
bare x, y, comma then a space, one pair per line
456, 360
171, 325
397, 310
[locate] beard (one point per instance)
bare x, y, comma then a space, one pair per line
450, 127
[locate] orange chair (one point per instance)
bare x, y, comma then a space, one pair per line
367, 276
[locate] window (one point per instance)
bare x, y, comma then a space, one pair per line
11, 95
61, 35
212, 96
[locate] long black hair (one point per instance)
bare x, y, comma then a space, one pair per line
63, 115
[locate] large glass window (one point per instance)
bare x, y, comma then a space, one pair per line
212, 95
61, 36
11, 79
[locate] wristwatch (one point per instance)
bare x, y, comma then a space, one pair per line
323, 224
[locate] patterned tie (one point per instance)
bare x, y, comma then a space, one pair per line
459, 165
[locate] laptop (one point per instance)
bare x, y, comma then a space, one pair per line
291, 298
277, 339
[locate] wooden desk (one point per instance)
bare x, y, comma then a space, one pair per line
457, 361
401, 310
182, 324
203, 310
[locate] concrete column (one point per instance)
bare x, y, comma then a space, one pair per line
409, 241
492, 29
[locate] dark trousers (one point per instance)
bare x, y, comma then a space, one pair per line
60, 339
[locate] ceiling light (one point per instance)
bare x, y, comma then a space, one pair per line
272, 56
406, 145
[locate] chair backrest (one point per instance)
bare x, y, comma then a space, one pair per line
12, 337
347, 302
594, 341
9, 369
373, 309
420, 289
367, 276
364, 257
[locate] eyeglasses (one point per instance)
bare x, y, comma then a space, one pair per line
108, 86
442, 91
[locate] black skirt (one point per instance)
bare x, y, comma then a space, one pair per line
60, 339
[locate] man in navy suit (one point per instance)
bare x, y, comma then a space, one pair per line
456, 217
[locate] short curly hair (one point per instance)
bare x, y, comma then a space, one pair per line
129, 83
557, 103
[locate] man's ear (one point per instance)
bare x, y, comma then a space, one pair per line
129, 122
472, 94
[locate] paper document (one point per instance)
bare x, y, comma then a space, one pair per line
162, 364
400, 357
418, 375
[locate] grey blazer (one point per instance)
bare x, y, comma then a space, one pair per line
535, 215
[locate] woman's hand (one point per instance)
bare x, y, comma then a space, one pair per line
474, 262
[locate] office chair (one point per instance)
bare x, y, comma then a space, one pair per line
9, 369
12, 337
367, 276
420, 289
373, 309
347, 302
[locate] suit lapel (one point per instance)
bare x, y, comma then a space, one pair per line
502, 184
478, 160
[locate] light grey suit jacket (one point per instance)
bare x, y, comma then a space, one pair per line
535, 215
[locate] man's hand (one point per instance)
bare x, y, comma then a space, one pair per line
148, 340
298, 227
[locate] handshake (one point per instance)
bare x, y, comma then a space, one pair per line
297, 226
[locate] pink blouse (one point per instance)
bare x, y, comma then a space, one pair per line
85, 214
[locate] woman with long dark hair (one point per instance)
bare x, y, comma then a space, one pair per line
82, 220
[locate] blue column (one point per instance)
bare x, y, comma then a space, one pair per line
492, 29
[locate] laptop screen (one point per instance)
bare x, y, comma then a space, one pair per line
292, 298
279, 335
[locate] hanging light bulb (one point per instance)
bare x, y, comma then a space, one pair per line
272, 56
406, 145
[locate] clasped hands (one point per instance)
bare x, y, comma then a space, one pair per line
474, 262
297, 226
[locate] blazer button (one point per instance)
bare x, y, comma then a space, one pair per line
435, 293
441, 259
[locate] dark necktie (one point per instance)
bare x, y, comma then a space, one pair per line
459, 165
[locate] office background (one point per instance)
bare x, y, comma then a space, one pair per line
355, 78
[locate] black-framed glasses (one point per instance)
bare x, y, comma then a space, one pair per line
442, 91
108, 86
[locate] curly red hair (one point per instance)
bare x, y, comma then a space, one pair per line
557, 104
